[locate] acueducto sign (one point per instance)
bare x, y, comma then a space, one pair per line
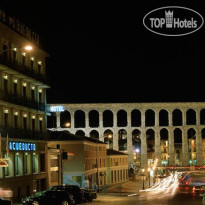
173, 21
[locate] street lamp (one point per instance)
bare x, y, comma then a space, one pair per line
109, 137
143, 178
26, 48
149, 175
67, 124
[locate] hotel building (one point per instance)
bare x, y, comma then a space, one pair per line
23, 87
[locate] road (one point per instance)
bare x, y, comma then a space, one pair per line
164, 193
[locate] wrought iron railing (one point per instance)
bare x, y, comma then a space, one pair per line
20, 133
23, 101
23, 69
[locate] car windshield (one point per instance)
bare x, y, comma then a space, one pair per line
39, 193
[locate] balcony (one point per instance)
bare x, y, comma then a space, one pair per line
22, 101
19, 133
14, 65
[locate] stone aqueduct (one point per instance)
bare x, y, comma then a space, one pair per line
178, 122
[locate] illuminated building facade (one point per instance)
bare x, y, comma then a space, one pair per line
23, 87
84, 160
117, 167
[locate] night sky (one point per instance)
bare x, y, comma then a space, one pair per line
100, 51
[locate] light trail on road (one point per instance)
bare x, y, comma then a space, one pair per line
168, 184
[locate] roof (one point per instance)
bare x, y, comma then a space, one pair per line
115, 152
67, 136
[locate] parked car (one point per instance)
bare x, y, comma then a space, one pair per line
88, 194
51, 197
5, 202
72, 189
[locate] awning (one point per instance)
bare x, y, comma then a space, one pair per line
4, 162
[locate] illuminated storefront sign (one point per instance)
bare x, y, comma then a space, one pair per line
22, 146
57, 108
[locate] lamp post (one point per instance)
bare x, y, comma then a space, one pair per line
27, 48
143, 178
149, 175
109, 137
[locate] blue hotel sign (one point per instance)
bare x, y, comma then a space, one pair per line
22, 146
57, 108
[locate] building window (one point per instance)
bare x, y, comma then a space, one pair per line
27, 163
40, 96
23, 59
35, 163
15, 120
15, 88
32, 94
25, 122
5, 84
32, 63
18, 164
33, 122
5, 54
6, 118
24, 91
40, 125
43, 162
14, 55
39, 67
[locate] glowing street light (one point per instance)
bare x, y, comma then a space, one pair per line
67, 124
26, 48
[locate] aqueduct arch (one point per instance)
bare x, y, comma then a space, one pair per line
171, 124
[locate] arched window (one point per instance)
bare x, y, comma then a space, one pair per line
121, 118
93, 118
107, 118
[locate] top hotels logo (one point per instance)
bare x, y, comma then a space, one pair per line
173, 21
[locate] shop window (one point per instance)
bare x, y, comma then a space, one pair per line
18, 164
35, 163
27, 163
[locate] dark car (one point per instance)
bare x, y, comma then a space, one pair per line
50, 197
88, 194
5, 202
72, 189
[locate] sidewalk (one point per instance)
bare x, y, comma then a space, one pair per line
130, 188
